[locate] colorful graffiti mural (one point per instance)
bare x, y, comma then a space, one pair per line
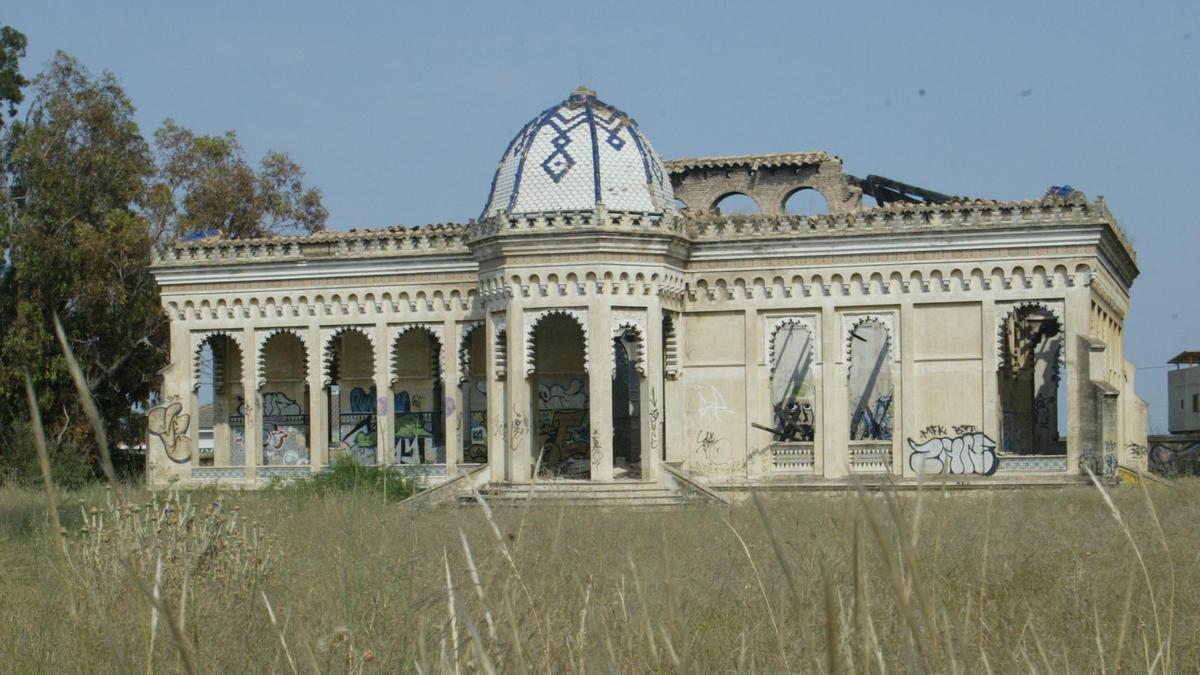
285, 431
417, 433
357, 430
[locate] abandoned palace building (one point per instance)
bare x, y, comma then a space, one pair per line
604, 320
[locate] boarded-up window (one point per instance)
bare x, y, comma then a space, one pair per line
870, 382
793, 394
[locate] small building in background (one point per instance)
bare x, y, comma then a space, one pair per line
1183, 392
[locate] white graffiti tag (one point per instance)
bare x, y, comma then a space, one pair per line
968, 453
712, 403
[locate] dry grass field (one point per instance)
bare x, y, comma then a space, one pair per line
1046, 581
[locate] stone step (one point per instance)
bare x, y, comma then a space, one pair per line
641, 494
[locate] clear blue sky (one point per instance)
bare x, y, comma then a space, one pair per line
399, 113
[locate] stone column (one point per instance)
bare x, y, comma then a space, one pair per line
497, 400
990, 363
452, 393
757, 442
600, 374
385, 420
1082, 405
318, 402
252, 409
674, 392
835, 423
907, 421
518, 444
651, 415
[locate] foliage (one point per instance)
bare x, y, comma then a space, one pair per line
75, 247
347, 474
205, 183
69, 465
85, 201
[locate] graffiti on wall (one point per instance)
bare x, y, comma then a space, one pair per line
560, 396
711, 403
872, 420
716, 451
416, 440
169, 424
563, 435
792, 390
357, 428
285, 431
967, 453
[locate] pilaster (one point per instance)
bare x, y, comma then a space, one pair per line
452, 393
251, 408
600, 391
652, 393
318, 403
518, 446
905, 389
385, 416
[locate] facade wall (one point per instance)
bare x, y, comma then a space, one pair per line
1183, 400
907, 342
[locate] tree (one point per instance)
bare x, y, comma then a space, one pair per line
205, 184
85, 202
12, 50
76, 246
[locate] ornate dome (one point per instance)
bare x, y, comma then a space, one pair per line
576, 154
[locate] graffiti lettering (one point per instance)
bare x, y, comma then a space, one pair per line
169, 424
712, 403
932, 431
717, 451
968, 453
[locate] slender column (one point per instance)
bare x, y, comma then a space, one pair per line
497, 404
452, 393
1083, 405
755, 384
221, 400
252, 408
385, 420
674, 391
836, 423
990, 363
600, 374
906, 415
318, 402
650, 416
519, 442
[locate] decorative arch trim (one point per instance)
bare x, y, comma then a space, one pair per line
851, 322
466, 332
434, 330
635, 321
263, 337
532, 319
1056, 308
329, 353
774, 325
201, 338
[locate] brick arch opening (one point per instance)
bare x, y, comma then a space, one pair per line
732, 203
805, 201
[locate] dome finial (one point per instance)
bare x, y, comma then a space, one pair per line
584, 92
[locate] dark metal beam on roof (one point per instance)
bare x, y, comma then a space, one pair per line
886, 191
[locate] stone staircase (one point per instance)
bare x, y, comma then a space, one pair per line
622, 494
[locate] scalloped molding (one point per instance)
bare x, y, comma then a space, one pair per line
1055, 307
500, 348
463, 342
201, 337
852, 320
533, 318
435, 330
328, 334
808, 322
635, 320
261, 337
671, 362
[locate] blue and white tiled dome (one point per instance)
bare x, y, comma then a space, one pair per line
576, 154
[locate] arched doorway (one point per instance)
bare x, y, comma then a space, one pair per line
1029, 381
561, 403
218, 396
473, 361
353, 428
285, 440
627, 404
417, 394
